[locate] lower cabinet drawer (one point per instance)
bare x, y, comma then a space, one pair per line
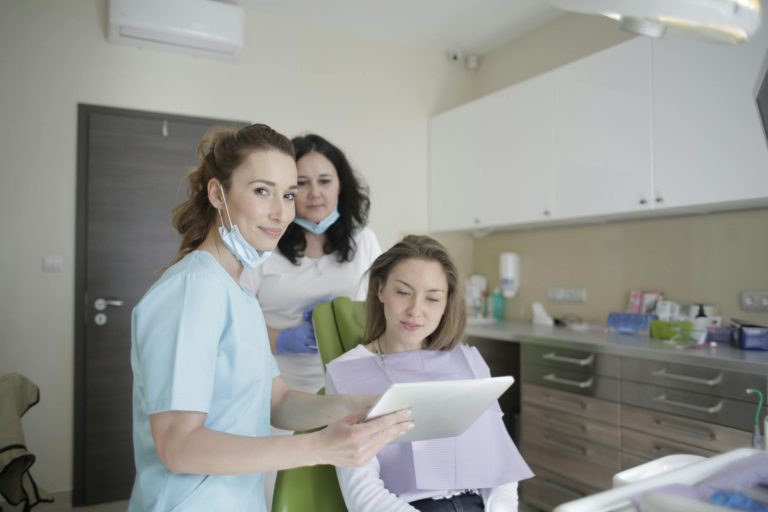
582, 461
691, 377
579, 381
547, 489
708, 408
588, 407
708, 436
651, 447
580, 427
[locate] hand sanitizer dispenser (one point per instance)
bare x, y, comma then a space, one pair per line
509, 273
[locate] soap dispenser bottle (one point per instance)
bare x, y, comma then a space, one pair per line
700, 324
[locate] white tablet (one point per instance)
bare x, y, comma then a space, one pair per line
443, 408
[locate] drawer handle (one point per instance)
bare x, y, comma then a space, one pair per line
659, 450
572, 404
680, 429
553, 356
578, 450
569, 425
662, 399
684, 378
581, 384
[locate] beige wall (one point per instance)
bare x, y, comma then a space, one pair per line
568, 38
703, 258
373, 99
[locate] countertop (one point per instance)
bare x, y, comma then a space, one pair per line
722, 356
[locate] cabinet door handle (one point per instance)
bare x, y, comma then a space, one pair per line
680, 429
571, 404
658, 450
554, 356
579, 450
568, 425
580, 384
685, 378
662, 399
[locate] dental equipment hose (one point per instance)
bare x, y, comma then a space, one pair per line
757, 439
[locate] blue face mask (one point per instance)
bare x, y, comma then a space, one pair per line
321, 226
236, 243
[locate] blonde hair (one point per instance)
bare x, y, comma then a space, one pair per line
220, 152
450, 330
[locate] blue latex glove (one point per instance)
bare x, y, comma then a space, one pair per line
297, 340
307, 315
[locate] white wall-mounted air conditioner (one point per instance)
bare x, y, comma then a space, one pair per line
200, 27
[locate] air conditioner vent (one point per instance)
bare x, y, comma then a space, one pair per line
200, 27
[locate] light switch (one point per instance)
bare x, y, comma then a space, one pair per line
53, 263
567, 294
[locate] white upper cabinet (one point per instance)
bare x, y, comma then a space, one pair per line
602, 132
455, 139
490, 160
643, 127
516, 175
709, 144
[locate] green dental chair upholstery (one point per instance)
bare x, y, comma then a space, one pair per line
312, 488
338, 327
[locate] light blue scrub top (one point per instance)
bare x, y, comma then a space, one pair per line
199, 343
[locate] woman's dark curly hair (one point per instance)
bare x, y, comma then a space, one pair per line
353, 205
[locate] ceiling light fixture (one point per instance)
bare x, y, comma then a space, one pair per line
732, 21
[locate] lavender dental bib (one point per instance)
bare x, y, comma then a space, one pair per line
484, 456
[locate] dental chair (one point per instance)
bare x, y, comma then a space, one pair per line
338, 327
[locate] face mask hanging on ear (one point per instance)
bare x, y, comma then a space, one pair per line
236, 243
321, 226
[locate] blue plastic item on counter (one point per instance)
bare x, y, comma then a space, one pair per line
747, 336
630, 323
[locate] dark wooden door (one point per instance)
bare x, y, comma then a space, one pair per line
131, 173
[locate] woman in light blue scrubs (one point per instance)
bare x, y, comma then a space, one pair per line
206, 387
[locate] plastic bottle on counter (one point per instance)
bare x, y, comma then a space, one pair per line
497, 304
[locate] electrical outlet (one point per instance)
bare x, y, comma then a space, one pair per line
567, 294
754, 301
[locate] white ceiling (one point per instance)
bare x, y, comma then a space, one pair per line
471, 26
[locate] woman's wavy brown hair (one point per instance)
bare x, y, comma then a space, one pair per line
450, 330
220, 152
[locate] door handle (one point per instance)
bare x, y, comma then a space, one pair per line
101, 304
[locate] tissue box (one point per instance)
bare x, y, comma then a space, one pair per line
747, 336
